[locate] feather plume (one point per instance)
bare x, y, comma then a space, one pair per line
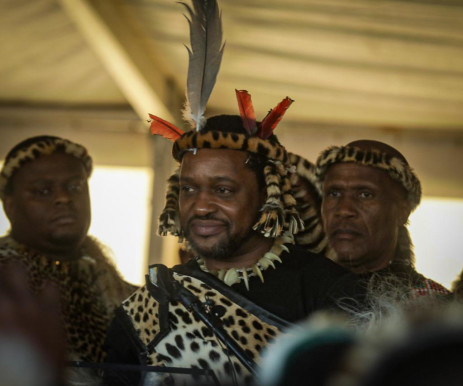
205, 56
161, 127
274, 116
246, 111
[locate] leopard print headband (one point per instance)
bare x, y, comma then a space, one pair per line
396, 168
32, 148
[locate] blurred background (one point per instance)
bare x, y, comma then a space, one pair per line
92, 70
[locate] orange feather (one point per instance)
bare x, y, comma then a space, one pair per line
161, 127
274, 116
247, 113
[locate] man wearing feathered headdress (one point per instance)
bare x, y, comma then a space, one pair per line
231, 201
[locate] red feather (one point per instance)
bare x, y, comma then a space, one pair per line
167, 130
274, 116
246, 111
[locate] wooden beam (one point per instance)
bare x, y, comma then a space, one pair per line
123, 47
130, 58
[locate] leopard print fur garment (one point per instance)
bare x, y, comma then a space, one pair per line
173, 336
90, 289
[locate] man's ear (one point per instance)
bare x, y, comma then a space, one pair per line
404, 211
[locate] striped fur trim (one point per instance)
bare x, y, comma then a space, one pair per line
308, 200
43, 146
397, 169
169, 221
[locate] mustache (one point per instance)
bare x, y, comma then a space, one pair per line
207, 217
344, 227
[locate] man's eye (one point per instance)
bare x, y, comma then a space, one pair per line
186, 188
333, 193
75, 187
224, 190
365, 195
42, 192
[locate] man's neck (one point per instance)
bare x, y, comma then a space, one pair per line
61, 254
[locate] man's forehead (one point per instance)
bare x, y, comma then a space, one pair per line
348, 171
215, 165
218, 156
359, 176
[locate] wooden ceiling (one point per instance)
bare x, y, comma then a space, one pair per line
359, 63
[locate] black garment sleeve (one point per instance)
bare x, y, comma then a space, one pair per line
123, 348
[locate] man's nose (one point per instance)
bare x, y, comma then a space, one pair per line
62, 196
204, 203
346, 206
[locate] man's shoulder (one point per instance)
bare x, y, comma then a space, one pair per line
420, 284
10, 249
8, 245
297, 256
426, 286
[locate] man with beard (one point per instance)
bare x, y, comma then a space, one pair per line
368, 192
231, 200
43, 186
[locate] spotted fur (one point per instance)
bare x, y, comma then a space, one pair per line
269, 148
90, 290
187, 342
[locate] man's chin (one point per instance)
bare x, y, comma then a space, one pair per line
212, 250
347, 258
67, 239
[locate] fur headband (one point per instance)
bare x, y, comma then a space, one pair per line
269, 148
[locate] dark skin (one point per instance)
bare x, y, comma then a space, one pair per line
362, 211
219, 203
48, 205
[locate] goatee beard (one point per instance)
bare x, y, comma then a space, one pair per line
224, 250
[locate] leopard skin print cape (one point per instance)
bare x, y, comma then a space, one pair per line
90, 290
169, 334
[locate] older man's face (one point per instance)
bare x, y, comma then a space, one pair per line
49, 205
362, 211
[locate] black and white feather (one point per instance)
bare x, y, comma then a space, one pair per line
205, 56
